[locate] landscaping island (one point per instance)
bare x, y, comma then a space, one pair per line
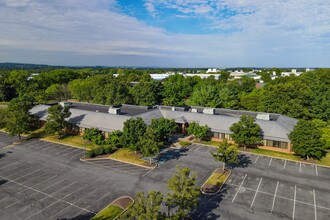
115, 209
215, 182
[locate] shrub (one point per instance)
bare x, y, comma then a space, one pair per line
99, 150
94, 135
184, 143
90, 153
107, 149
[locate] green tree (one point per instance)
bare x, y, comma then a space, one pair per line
132, 131
19, 120
226, 153
57, 92
3, 117
184, 193
114, 139
197, 130
145, 93
205, 95
246, 132
19, 80
56, 120
306, 140
162, 128
148, 144
145, 207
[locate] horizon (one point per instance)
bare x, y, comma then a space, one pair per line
166, 34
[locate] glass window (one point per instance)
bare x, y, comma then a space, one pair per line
215, 135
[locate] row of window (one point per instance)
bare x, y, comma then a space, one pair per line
270, 143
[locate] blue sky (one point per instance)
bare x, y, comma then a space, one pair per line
166, 33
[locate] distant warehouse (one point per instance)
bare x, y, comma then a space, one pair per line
275, 127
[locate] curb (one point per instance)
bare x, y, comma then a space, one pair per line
95, 159
246, 152
212, 194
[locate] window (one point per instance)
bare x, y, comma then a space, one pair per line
215, 135
277, 144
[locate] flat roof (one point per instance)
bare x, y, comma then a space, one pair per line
127, 110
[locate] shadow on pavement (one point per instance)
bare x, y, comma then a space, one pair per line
207, 204
170, 154
243, 162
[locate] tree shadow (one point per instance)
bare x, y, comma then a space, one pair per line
2, 155
77, 119
170, 154
86, 216
207, 204
243, 162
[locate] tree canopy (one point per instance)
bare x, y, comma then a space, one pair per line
306, 140
197, 130
56, 120
246, 132
226, 153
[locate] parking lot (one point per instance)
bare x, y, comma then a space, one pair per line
43, 180
269, 188
6, 140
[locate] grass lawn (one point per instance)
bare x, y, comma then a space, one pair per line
274, 154
128, 156
4, 103
211, 143
109, 213
218, 177
75, 140
325, 160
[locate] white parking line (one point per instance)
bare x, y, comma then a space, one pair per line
33, 193
315, 204
284, 165
80, 153
256, 159
11, 170
67, 196
63, 150
300, 167
62, 199
208, 150
70, 152
270, 161
294, 201
47, 148
38, 191
8, 165
197, 148
239, 188
316, 172
255, 195
282, 197
274, 196
27, 175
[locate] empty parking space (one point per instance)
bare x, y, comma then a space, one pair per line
119, 166
54, 149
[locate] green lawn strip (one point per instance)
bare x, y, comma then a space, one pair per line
129, 156
211, 143
218, 178
71, 140
325, 160
4, 103
109, 213
274, 154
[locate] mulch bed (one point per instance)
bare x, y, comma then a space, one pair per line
123, 203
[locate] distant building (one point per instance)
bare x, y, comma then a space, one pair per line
275, 127
213, 70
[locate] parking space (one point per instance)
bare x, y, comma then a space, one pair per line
6, 140
281, 199
119, 166
54, 149
32, 191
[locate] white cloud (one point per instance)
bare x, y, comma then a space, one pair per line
295, 32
